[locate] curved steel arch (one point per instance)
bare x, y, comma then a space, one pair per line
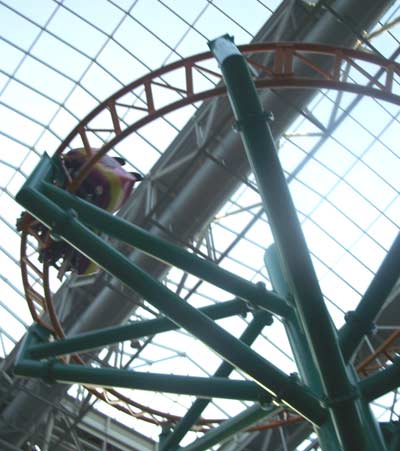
283, 72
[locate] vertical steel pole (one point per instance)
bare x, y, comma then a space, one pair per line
340, 395
294, 329
298, 342
48, 431
395, 443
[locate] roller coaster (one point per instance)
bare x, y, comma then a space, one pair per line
70, 200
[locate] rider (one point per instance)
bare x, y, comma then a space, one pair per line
108, 186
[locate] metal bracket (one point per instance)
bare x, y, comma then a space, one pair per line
265, 116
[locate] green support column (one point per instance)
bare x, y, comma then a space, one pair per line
395, 442
294, 329
340, 395
298, 342
360, 322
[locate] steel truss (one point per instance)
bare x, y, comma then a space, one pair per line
329, 394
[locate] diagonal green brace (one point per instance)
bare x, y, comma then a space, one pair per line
231, 427
382, 381
66, 225
111, 335
192, 415
168, 252
360, 322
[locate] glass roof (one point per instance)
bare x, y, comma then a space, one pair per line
60, 59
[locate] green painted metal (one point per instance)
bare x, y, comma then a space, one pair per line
341, 396
168, 252
293, 326
35, 334
382, 381
373, 432
172, 440
231, 427
298, 342
207, 387
111, 335
66, 225
391, 431
330, 394
395, 444
360, 322
395, 437
165, 431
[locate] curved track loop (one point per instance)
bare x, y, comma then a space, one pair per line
383, 356
183, 83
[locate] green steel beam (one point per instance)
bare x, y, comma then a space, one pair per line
111, 335
207, 387
259, 144
231, 427
172, 440
382, 381
35, 334
66, 225
294, 329
395, 442
168, 252
360, 322
298, 342
391, 432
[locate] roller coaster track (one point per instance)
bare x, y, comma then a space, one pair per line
383, 355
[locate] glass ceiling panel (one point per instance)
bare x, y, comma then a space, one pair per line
341, 158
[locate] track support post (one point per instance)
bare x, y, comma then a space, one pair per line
341, 398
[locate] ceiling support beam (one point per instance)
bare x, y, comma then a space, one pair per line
341, 396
